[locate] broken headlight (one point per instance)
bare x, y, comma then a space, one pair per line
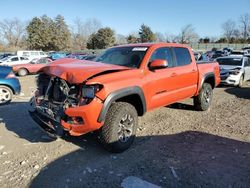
89, 91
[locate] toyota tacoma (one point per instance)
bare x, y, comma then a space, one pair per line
107, 96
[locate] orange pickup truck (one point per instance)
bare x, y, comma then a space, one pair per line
108, 95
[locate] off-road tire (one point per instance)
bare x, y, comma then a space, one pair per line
22, 72
110, 134
203, 100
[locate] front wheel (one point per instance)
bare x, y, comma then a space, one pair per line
204, 99
5, 95
119, 129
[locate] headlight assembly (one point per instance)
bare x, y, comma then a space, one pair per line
89, 91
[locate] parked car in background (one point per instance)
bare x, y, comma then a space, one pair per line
32, 67
238, 67
14, 60
5, 55
227, 50
246, 50
218, 53
57, 55
31, 54
88, 57
76, 55
237, 53
9, 84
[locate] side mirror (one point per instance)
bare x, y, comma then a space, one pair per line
158, 64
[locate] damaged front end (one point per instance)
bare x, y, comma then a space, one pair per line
60, 107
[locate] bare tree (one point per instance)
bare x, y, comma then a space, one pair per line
160, 37
245, 25
81, 31
169, 37
120, 39
229, 28
188, 34
13, 32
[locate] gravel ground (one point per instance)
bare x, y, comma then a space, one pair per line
175, 147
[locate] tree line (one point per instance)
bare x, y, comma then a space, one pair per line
53, 34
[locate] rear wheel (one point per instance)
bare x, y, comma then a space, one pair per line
5, 95
119, 129
22, 72
204, 99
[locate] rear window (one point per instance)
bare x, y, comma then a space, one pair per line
230, 61
182, 56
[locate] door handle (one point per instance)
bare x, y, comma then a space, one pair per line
173, 74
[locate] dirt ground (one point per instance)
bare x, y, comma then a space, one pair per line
176, 146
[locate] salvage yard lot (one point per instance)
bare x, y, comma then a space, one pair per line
176, 146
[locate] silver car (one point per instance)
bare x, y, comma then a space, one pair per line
238, 67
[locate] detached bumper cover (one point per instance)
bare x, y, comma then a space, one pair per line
52, 127
56, 127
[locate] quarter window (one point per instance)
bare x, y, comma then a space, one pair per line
164, 54
182, 56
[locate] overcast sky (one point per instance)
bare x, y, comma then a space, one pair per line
125, 16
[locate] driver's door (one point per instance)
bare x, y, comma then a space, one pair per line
161, 84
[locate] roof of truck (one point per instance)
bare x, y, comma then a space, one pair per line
152, 44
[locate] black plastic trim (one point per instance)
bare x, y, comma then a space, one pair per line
112, 97
206, 76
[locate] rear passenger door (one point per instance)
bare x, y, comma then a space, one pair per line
186, 73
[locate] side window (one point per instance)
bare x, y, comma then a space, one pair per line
41, 53
23, 58
182, 56
164, 54
14, 59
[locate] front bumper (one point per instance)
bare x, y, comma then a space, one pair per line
232, 80
57, 126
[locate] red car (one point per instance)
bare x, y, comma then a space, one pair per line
32, 67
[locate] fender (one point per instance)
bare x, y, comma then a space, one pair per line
112, 97
206, 76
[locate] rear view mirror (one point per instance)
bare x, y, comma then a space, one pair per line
158, 64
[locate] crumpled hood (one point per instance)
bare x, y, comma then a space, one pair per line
78, 71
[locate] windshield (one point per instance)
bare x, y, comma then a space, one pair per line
123, 56
230, 61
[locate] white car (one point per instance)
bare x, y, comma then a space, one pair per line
14, 60
31, 54
238, 67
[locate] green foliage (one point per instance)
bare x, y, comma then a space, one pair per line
132, 39
146, 34
47, 34
104, 38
